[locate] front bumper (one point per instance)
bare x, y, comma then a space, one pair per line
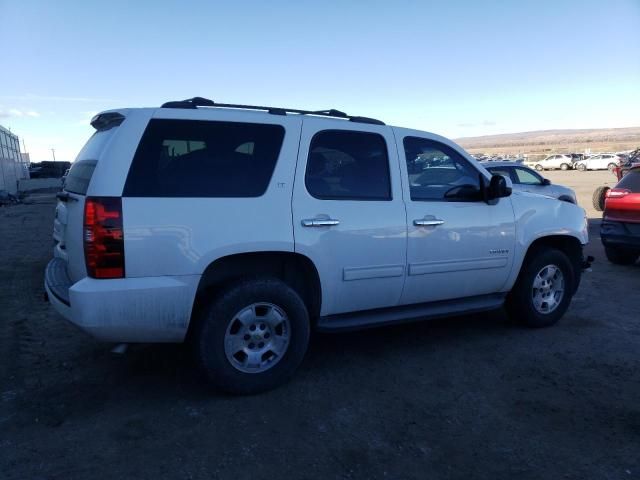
620, 234
146, 309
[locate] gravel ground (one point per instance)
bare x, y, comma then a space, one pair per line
468, 397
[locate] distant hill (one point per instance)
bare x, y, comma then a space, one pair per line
543, 142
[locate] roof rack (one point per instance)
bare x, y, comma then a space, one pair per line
196, 102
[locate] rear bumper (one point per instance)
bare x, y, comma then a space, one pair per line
620, 235
147, 309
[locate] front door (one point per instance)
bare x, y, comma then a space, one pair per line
458, 245
348, 213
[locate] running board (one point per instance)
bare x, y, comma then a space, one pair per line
408, 313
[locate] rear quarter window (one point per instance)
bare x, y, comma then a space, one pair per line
194, 158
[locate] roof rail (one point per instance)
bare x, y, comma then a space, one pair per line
196, 102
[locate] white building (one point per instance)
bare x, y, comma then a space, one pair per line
12, 166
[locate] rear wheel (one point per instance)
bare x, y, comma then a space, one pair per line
539, 167
564, 166
543, 290
611, 166
598, 198
620, 256
253, 336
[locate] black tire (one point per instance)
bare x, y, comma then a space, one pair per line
620, 256
564, 166
598, 197
539, 168
611, 166
582, 167
215, 319
520, 300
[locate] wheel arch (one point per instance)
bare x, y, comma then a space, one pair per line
568, 244
295, 269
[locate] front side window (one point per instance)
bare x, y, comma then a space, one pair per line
348, 165
527, 177
194, 158
438, 173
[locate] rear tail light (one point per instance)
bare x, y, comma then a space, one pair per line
618, 192
103, 237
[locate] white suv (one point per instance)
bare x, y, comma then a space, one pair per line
552, 162
601, 161
242, 229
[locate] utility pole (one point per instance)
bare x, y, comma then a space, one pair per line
53, 152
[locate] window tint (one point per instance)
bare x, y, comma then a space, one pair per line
527, 177
437, 172
189, 158
631, 181
79, 177
345, 164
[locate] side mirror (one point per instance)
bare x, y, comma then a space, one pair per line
499, 187
546, 181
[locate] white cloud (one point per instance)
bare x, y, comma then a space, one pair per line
56, 98
14, 112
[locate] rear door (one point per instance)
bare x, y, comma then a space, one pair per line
349, 215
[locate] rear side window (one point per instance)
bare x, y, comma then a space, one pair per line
79, 176
631, 181
348, 165
193, 158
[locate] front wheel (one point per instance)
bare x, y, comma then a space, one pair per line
543, 290
253, 336
582, 167
539, 168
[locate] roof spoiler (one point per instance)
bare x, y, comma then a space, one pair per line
105, 121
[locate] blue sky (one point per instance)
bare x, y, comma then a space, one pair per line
458, 68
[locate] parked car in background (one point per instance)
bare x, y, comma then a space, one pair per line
552, 162
628, 161
601, 161
526, 179
620, 228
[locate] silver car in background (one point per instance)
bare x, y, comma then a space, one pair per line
526, 179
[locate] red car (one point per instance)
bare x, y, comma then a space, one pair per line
620, 228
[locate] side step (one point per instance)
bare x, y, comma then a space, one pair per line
408, 313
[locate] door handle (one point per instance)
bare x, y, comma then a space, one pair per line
428, 223
320, 222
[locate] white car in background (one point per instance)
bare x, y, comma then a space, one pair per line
602, 161
525, 179
552, 162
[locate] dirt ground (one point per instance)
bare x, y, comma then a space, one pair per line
468, 397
